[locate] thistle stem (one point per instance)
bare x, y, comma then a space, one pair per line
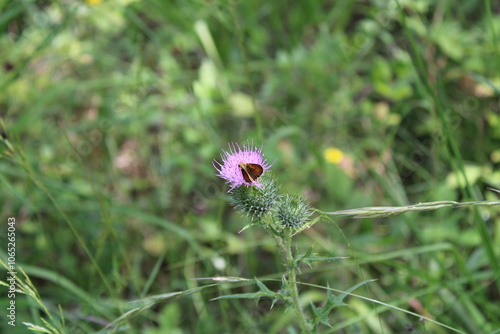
292, 282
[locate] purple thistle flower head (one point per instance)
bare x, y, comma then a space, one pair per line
230, 169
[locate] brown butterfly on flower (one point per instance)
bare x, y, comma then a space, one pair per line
251, 172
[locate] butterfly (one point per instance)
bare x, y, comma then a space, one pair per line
251, 172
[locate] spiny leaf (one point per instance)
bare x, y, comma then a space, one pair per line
264, 292
254, 295
321, 313
306, 225
344, 294
310, 257
248, 226
263, 287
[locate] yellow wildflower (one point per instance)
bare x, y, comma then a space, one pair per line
334, 155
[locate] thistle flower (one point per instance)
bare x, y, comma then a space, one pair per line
231, 168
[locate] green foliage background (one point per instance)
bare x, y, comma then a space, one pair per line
116, 109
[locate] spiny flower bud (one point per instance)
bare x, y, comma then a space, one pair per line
292, 212
255, 202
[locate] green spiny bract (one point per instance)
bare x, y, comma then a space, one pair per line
255, 202
292, 212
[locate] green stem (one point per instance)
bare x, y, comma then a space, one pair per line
292, 282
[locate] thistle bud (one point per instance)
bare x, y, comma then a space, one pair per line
255, 202
292, 212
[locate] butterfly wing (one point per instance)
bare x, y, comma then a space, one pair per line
251, 172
